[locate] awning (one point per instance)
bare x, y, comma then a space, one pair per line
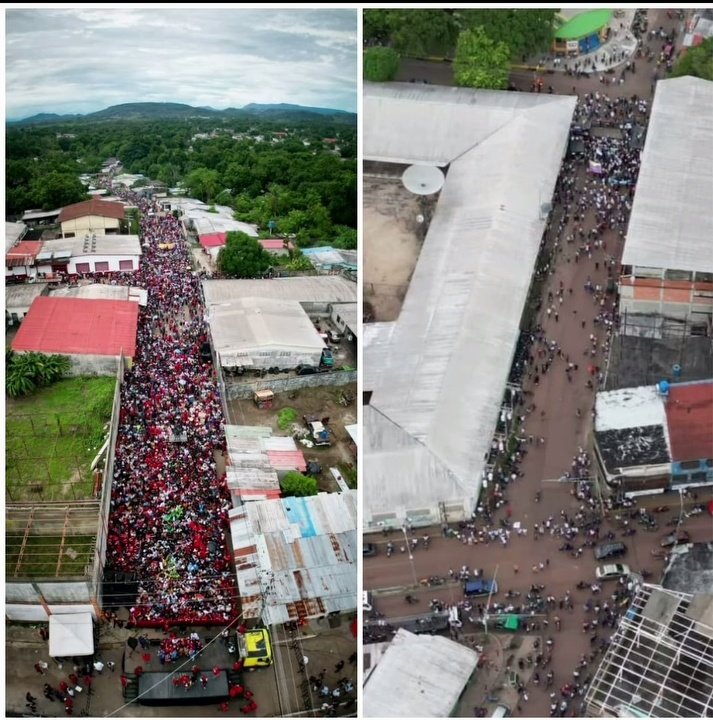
71, 634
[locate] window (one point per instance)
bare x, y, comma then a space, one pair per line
699, 477
367, 396
101, 267
690, 465
126, 264
678, 275
704, 277
82, 268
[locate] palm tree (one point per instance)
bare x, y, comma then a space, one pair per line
18, 381
55, 367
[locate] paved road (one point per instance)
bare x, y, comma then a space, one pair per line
564, 432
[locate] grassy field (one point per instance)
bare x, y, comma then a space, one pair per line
53, 435
41, 553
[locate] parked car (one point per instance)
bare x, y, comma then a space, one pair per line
480, 587
610, 550
369, 550
327, 358
675, 538
334, 336
613, 571
305, 369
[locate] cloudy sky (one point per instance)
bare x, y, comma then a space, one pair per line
81, 60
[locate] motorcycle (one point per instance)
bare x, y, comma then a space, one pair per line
512, 594
538, 496
629, 532
411, 600
389, 549
661, 509
646, 574
581, 585
696, 510
566, 547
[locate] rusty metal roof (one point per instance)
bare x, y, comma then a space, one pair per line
296, 557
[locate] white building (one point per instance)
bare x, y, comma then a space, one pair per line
418, 676
92, 216
89, 254
264, 333
437, 375
667, 274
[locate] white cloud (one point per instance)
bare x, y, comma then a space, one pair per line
91, 58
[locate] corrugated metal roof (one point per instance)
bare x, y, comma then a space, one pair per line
296, 556
689, 413
212, 240
24, 253
332, 288
14, 231
671, 223
259, 324
287, 460
439, 383
279, 443
73, 326
429, 671
96, 207
238, 431
22, 295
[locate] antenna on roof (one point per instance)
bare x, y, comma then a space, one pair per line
423, 179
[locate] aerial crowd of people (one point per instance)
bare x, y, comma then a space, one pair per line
168, 520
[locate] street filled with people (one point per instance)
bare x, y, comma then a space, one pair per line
168, 522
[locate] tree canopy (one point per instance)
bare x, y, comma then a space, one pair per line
243, 256
381, 64
481, 62
424, 33
298, 485
696, 61
302, 176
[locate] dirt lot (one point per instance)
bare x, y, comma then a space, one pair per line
321, 401
393, 239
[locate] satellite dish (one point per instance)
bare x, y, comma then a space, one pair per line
423, 179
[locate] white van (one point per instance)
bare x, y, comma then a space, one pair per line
501, 711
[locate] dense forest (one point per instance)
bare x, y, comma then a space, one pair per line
265, 169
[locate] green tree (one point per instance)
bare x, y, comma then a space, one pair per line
243, 256
28, 371
58, 189
381, 64
481, 62
203, 183
696, 61
524, 31
296, 484
344, 237
423, 33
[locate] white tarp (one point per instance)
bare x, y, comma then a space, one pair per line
71, 634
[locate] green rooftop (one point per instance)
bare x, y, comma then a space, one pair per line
584, 24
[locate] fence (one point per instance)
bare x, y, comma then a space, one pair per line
239, 390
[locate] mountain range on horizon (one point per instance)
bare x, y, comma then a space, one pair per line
166, 110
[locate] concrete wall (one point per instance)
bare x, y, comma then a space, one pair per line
93, 364
92, 260
237, 390
66, 592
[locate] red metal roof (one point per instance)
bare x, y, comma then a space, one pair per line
275, 244
95, 206
689, 412
212, 240
76, 326
24, 253
286, 459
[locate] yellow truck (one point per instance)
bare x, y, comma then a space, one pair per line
255, 649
